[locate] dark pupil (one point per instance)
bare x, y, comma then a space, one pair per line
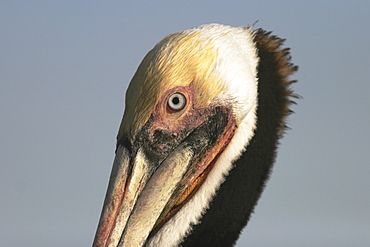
176, 100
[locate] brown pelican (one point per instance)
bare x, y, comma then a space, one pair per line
204, 113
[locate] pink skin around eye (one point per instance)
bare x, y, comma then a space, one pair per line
174, 121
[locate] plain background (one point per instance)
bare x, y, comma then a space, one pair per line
64, 69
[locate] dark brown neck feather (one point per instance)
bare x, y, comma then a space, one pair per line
231, 208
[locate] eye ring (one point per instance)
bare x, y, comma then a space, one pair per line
176, 102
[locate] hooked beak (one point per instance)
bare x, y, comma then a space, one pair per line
146, 188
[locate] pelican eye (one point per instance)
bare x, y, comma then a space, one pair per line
176, 102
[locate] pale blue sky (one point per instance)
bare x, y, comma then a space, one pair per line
64, 69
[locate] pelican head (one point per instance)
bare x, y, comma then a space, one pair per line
192, 112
